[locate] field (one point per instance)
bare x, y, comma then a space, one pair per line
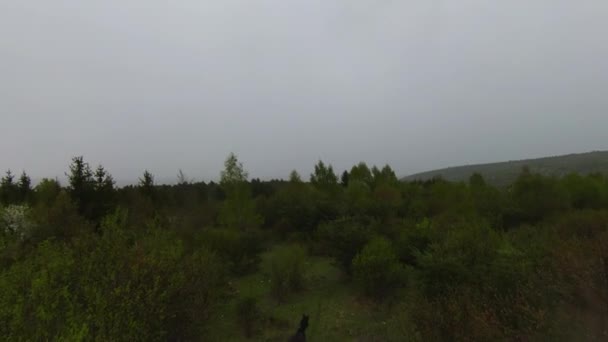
336, 310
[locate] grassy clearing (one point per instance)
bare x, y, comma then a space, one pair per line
336, 312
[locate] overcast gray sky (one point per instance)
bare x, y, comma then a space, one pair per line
420, 84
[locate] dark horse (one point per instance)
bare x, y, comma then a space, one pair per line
300, 335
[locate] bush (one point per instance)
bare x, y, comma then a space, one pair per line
538, 197
293, 208
239, 249
107, 288
377, 269
287, 271
15, 221
465, 256
247, 313
343, 239
58, 220
413, 240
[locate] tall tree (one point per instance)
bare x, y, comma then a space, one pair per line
361, 173
103, 179
385, 176
25, 187
238, 210
146, 184
233, 172
9, 178
47, 191
81, 185
345, 178
476, 180
8, 189
294, 177
104, 192
324, 176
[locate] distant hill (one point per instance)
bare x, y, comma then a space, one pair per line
504, 173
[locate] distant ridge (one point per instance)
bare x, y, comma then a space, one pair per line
504, 173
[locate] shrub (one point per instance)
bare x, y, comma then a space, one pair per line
107, 288
413, 240
287, 271
37, 301
247, 313
240, 249
343, 239
294, 207
14, 221
463, 257
59, 220
377, 269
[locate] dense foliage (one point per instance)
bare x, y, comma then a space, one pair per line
457, 261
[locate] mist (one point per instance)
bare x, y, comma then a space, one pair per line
163, 86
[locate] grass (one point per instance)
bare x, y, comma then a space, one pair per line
336, 311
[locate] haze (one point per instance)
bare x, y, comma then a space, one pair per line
417, 84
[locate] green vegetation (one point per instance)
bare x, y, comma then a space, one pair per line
505, 173
377, 269
287, 271
366, 256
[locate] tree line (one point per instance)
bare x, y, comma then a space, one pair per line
461, 260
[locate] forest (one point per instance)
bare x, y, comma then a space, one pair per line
366, 256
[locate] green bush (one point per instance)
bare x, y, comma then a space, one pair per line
287, 271
413, 240
343, 239
376, 268
248, 314
37, 297
240, 249
538, 197
110, 289
464, 256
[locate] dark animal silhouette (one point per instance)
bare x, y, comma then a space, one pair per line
300, 335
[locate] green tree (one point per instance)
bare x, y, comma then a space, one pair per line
81, 185
234, 173
477, 180
103, 179
386, 176
104, 193
358, 197
146, 184
58, 219
238, 249
24, 187
343, 239
361, 173
584, 192
488, 201
538, 196
8, 189
377, 269
293, 207
329, 202
107, 288
47, 191
294, 177
287, 270
324, 177
386, 199
344, 179
238, 210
